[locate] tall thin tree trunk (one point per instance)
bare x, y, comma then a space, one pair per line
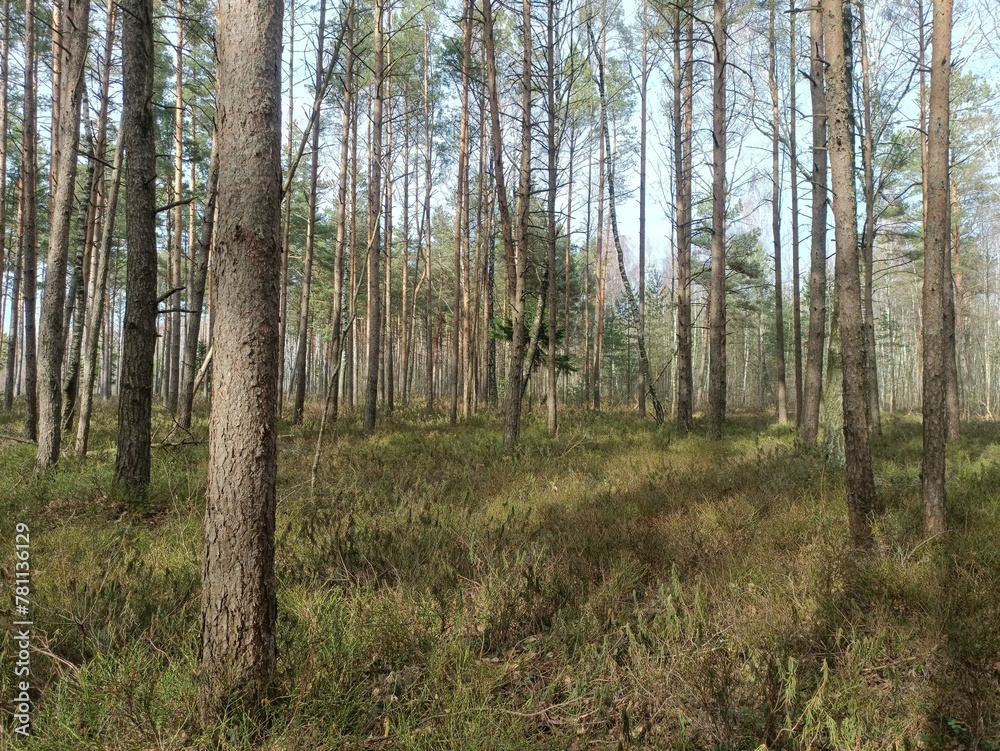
868, 234
73, 56
936, 276
299, 375
461, 229
76, 298
139, 335
516, 286
809, 428
374, 224
196, 291
174, 302
717, 284
643, 86
683, 123
13, 353
98, 305
779, 312
4, 73
239, 606
857, 451
613, 218
287, 217
29, 234
336, 344
550, 217
793, 173
428, 179
386, 348
512, 419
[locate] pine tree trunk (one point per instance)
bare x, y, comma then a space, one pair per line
683, 123
813, 392
793, 172
139, 335
936, 276
174, 302
461, 228
516, 280
717, 283
337, 343
857, 451
299, 376
868, 236
286, 223
76, 299
73, 57
238, 611
779, 311
374, 225
97, 305
196, 291
10, 380
643, 86
4, 73
29, 232
550, 217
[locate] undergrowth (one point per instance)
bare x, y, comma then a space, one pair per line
617, 586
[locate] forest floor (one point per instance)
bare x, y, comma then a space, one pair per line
616, 586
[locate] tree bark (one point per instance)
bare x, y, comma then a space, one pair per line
779, 311
461, 229
337, 344
4, 73
717, 285
515, 292
139, 335
936, 276
97, 305
868, 235
374, 225
174, 301
239, 608
793, 173
857, 451
683, 123
643, 87
299, 375
29, 232
550, 218
813, 392
73, 57
286, 223
196, 291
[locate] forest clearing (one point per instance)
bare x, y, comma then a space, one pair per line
615, 586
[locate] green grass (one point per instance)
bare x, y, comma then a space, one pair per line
617, 586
